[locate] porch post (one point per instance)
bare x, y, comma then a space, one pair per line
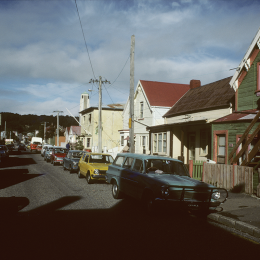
190, 167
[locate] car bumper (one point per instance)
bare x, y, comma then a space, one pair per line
189, 205
58, 162
98, 177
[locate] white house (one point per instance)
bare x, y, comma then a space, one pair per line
151, 101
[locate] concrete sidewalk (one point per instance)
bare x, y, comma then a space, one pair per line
240, 211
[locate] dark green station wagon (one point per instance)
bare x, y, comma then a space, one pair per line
162, 180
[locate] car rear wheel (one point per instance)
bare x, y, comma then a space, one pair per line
89, 180
116, 193
70, 169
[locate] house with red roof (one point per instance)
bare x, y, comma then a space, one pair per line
186, 131
152, 100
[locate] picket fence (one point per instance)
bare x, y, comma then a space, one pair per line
228, 176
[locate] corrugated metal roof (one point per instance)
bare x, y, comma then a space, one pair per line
238, 116
210, 96
162, 93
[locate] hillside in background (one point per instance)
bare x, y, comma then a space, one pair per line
29, 123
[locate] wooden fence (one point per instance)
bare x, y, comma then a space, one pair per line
228, 176
195, 169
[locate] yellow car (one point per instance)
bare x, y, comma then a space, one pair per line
94, 166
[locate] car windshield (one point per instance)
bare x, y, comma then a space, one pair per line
60, 150
100, 158
76, 155
164, 166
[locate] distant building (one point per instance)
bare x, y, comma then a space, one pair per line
112, 121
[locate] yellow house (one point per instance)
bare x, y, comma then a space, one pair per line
112, 121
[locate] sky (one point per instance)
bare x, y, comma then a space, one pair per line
51, 49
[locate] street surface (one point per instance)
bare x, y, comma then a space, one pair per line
68, 218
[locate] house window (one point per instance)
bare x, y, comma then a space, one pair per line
84, 119
141, 109
203, 142
122, 140
221, 154
88, 142
159, 143
89, 118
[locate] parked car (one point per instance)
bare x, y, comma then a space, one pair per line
4, 152
94, 166
38, 148
21, 147
71, 160
161, 180
44, 148
47, 153
57, 155
10, 148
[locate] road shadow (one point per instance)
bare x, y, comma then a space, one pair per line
9, 177
123, 231
16, 161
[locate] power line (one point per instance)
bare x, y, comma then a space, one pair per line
121, 70
84, 39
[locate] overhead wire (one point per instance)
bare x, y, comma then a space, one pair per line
84, 38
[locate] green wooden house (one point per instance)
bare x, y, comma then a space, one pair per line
235, 137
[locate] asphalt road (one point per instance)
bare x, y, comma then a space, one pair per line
66, 218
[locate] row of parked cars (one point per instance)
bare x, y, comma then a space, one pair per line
154, 180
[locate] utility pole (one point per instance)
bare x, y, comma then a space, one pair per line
45, 131
100, 111
131, 97
58, 127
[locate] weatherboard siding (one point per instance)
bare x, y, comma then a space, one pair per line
234, 129
247, 98
208, 115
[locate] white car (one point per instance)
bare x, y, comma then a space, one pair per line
44, 148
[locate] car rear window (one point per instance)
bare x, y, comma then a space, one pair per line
119, 161
128, 162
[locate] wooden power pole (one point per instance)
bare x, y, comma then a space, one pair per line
131, 97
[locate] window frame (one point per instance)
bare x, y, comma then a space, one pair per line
157, 148
216, 133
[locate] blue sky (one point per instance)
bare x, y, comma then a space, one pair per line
45, 66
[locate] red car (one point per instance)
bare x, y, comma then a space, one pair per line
38, 148
58, 153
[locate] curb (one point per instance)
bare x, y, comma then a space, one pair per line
236, 224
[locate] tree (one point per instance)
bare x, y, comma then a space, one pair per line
79, 144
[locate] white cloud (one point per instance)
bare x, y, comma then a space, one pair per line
43, 57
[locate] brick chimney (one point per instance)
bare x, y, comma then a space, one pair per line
194, 83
